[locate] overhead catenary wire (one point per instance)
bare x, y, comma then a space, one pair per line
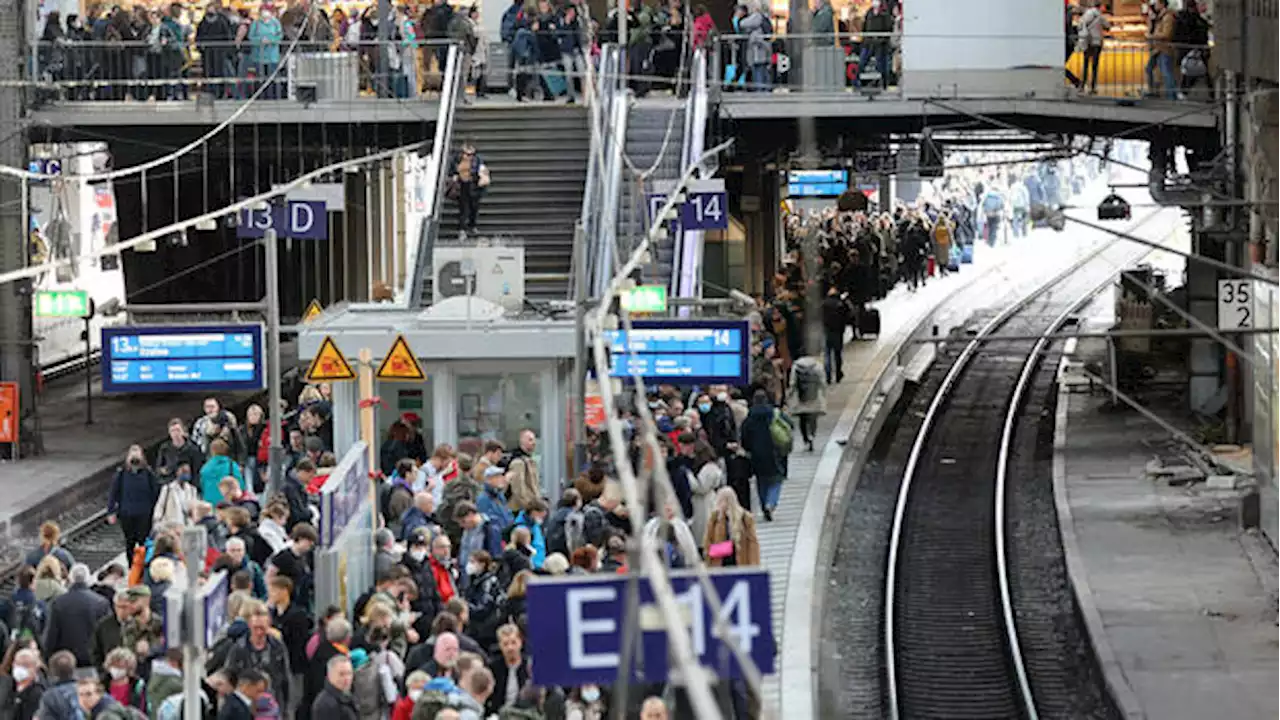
251, 202
699, 692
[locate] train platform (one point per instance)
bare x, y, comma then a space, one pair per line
1180, 602
79, 458
790, 545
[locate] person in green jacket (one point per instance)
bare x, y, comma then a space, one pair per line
219, 465
166, 679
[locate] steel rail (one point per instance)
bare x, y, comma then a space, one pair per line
917, 449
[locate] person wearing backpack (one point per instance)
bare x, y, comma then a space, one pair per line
766, 436
807, 396
558, 523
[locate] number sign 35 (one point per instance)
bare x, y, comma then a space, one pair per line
1235, 304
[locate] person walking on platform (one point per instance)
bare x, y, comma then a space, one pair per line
132, 498
767, 442
835, 318
807, 396
73, 616
177, 451
220, 465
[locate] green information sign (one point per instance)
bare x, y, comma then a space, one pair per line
645, 299
62, 303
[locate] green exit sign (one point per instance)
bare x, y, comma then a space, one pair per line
62, 303
645, 299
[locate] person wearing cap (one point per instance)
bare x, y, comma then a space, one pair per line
143, 632
493, 498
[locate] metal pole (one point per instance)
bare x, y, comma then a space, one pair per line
275, 454
580, 348
88, 369
382, 85
194, 545
1115, 372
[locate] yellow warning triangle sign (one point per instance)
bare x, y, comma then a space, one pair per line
329, 364
400, 364
312, 312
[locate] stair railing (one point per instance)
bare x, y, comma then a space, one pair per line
601, 202
418, 257
686, 267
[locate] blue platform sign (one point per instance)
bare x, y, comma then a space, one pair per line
297, 219
577, 638
683, 351
182, 358
213, 598
343, 493
706, 206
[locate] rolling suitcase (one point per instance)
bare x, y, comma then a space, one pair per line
869, 322
966, 253
932, 266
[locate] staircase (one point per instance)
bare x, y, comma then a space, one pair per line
537, 158
646, 129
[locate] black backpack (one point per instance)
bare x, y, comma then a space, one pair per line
28, 618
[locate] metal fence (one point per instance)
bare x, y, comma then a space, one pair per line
139, 72
344, 558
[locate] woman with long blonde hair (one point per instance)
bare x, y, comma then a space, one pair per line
731, 538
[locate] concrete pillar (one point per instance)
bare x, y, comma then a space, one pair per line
16, 352
907, 182
1205, 391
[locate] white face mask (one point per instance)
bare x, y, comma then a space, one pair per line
20, 674
116, 673
723, 397
590, 694
473, 568
415, 694
418, 555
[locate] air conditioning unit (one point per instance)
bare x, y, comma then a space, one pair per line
493, 273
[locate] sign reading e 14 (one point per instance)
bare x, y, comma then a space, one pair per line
706, 206
301, 220
578, 637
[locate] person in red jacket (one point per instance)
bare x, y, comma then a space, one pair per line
442, 567
403, 709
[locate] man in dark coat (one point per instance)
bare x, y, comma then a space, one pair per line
337, 637
768, 461
109, 631
335, 701
73, 617
250, 684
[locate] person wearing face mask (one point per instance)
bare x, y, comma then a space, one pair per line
20, 693
403, 709
585, 703
132, 498
123, 683
717, 422
483, 595
177, 495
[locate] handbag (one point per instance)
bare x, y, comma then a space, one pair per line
720, 550
453, 189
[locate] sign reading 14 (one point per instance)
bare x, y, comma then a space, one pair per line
722, 338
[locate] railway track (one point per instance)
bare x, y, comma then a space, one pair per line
951, 605
91, 541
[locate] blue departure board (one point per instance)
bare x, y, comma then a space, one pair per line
182, 358
817, 183
683, 351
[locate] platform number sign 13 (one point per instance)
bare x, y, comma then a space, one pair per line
1235, 304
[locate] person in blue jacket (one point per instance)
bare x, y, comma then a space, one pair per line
132, 498
218, 466
532, 518
478, 533
493, 499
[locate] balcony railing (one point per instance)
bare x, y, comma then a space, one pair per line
855, 63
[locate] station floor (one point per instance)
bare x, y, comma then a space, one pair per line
1181, 602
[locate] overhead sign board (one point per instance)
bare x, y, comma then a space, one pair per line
400, 364
817, 183
61, 303
300, 220
706, 206
343, 493
682, 351
329, 364
1235, 304
644, 299
182, 358
578, 637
